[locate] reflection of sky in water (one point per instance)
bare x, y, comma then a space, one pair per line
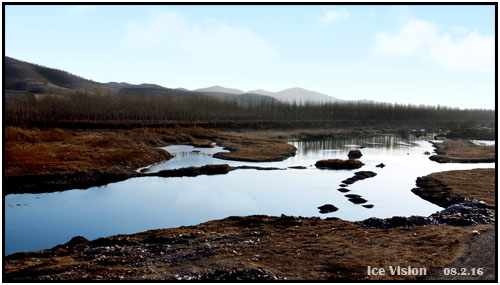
139, 204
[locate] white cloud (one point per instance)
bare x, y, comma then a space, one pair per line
473, 53
331, 16
216, 41
469, 53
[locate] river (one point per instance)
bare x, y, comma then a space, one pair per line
40, 221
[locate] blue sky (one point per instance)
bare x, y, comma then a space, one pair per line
407, 54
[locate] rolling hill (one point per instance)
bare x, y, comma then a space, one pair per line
24, 76
21, 77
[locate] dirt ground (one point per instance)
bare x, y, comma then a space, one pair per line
253, 247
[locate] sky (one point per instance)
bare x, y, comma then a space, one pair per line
416, 54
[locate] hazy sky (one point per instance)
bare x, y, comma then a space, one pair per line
409, 54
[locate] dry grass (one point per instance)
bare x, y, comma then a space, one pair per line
339, 164
475, 184
314, 250
463, 149
35, 151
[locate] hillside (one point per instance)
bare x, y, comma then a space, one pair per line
24, 76
32, 78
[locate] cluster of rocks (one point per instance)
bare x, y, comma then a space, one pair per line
354, 198
231, 273
360, 175
467, 213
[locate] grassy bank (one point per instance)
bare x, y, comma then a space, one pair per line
44, 160
463, 151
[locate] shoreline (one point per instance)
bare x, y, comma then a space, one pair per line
275, 248
462, 151
80, 159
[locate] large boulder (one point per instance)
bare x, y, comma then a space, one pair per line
355, 153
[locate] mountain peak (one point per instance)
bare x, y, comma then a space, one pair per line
220, 89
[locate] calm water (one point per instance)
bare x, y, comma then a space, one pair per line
39, 221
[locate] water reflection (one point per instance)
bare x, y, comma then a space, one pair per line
38, 221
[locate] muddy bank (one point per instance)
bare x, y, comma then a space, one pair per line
462, 151
253, 247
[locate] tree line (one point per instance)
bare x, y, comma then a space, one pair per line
106, 108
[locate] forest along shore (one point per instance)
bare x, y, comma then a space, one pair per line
286, 247
47, 160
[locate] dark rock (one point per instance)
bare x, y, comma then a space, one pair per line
380, 165
339, 164
368, 206
327, 208
343, 190
352, 196
358, 200
398, 221
343, 185
466, 213
297, 167
350, 180
364, 174
354, 154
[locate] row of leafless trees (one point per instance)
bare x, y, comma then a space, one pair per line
52, 109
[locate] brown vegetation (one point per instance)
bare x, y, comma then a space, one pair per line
463, 151
209, 169
42, 160
286, 247
339, 164
443, 188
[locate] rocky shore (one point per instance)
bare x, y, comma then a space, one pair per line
247, 248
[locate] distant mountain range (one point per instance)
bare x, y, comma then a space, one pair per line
32, 78
296, 94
